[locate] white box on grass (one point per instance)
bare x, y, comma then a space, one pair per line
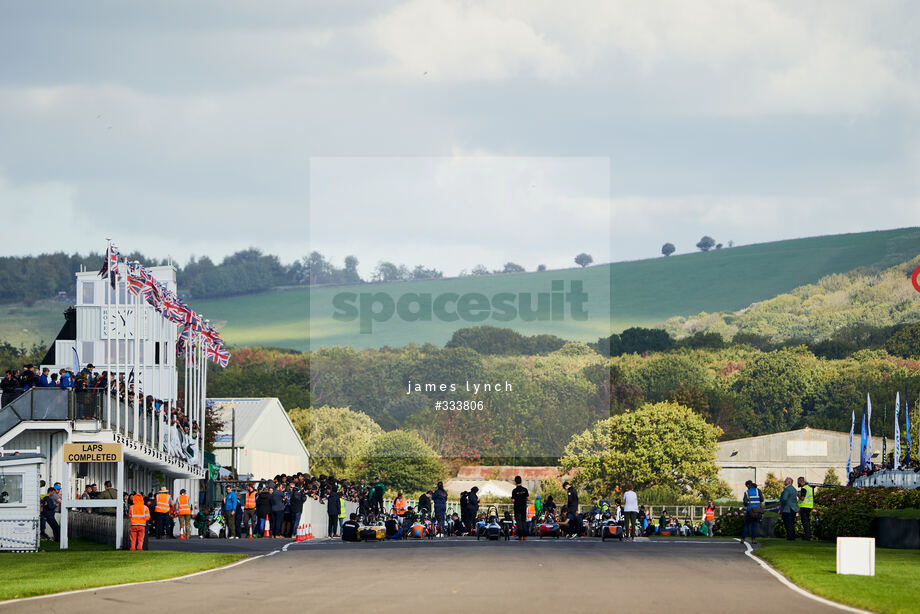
856, 556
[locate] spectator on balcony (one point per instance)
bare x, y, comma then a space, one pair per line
9, 386
44, 381
28, 379
90, 375
65, 379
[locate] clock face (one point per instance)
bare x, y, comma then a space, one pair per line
118, 322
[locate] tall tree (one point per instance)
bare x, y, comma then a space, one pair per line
667, 249
583, 259
661, 444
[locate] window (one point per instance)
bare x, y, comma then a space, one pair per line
11, 488
86, 356
89, 288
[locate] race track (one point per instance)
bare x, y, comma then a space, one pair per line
460, 575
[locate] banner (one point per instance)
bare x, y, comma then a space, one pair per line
850, 457
897, 429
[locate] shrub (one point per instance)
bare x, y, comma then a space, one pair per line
730, 523
845, 521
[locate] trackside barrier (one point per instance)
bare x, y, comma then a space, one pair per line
316, 520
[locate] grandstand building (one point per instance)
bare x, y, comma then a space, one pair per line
117, 332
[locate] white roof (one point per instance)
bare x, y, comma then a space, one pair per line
249, 412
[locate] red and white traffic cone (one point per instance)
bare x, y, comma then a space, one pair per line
301, 533
267, 532
309, 531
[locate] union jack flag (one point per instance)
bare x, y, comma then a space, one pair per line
110, 265
135, 279
210, 333
218, 355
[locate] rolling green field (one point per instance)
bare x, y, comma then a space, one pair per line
643, 292
637, 293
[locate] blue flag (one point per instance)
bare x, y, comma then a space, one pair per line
868, 429
850, 457
907, 422
897, 429
862, 443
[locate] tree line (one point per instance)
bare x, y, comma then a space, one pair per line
30, 278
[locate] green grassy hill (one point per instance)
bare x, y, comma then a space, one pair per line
644, 293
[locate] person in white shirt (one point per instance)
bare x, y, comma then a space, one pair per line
630, 510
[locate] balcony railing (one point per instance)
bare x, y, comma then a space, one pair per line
49, 404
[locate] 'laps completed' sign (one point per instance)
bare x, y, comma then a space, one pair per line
92, 452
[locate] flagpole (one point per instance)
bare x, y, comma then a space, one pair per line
117, 349
140, 411
204, 406
108, 344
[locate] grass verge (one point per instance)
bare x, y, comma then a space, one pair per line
88, 564
813, 567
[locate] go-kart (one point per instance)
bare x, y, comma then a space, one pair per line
371, 531
421, 527
491, 528
549, 527
612, 530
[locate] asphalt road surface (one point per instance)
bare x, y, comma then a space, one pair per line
458, 575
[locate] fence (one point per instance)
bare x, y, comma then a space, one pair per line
19, 535
899, 478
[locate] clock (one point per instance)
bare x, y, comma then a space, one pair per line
118, 322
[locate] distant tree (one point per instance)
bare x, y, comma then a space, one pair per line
583, 259
479, 269
541, 268
401, 459
718, 246
420, 272
706, 243
701, 339
351, 270
905, 342
386, 271
667, 249
772, 486
638, 340
318, 269
830, 477
511, 267
731, 243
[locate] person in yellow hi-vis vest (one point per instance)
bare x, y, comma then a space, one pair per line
184, 511
806, 504
163, 505
342, 515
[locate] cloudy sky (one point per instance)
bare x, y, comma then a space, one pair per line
414, 130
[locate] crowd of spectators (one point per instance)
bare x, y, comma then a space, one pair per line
907, 464
183, 438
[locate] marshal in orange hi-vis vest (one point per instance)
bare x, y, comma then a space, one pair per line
162, 503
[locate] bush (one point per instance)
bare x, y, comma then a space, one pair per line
552, 486
730, 523
845, 521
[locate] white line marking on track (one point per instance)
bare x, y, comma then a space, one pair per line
103, 588
846, 608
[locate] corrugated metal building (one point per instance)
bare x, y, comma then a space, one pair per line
265, 442
805, 452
